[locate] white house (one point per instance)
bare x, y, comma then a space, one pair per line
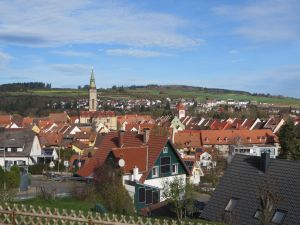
255, 150
19, 147
206, 160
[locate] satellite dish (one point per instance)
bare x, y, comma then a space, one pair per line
121, 163
52, 164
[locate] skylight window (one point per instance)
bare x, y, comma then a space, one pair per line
279, 216
257, 214
231, 204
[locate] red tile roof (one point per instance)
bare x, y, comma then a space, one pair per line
227, 137
109, 142
130, 141
59, 117
96, 114
133, 157
5, 119
188, 138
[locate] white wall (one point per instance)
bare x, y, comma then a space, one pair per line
158, 182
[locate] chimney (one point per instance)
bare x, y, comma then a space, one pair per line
121, 138
264, 161
135, 173
146, 136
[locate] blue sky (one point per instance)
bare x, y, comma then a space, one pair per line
242, 45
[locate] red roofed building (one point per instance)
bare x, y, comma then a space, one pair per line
146, 160
222, 139
101, 118
5, 120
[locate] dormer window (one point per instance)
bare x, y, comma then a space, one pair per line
257, 214
231, 204
219, 139
226, 139
279, 216
206, 139
249, 139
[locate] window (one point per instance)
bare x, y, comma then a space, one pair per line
174, 168
165, 164
278, 216
165, 150
2, 149
257, 214
155, 197
20, 150
141, 194
148, 196
8, 149
231, 204
155, 171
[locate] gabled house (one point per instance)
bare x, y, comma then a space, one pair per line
247, 183
223, 139
205, 160
19, 147
146, 161
195, 169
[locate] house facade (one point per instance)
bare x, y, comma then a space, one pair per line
19, 147
146, 161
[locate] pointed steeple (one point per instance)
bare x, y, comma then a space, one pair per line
92, 80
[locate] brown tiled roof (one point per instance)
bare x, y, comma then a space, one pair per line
108, 142
59, 117
80, 145
95, 114
5, 119
188, 138
27, 121
130, 141
50, 139
133, 157
226, 137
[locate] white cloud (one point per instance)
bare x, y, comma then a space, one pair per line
234, 51
138, 53
52, 23
4, 58
72, 69
267, 20
73, 53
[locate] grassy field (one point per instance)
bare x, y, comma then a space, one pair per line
199, 95
74, 204
60, 203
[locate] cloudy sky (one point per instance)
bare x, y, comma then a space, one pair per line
242, 45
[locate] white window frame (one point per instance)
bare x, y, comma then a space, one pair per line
155, 168
165, 150
176, 168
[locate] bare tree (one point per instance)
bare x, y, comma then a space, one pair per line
268, 201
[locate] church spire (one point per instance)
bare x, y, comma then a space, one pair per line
92, 80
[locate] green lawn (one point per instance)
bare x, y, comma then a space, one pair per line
85, 206
60, 203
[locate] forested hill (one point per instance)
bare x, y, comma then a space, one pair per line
24, 86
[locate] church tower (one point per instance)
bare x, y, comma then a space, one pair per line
92, 93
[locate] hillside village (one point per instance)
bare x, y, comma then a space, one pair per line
147, 151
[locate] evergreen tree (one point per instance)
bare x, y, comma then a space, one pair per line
290, 146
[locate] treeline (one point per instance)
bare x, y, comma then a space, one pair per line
24, 86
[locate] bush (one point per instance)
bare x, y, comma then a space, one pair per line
2, 178
12, 177
36, 169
